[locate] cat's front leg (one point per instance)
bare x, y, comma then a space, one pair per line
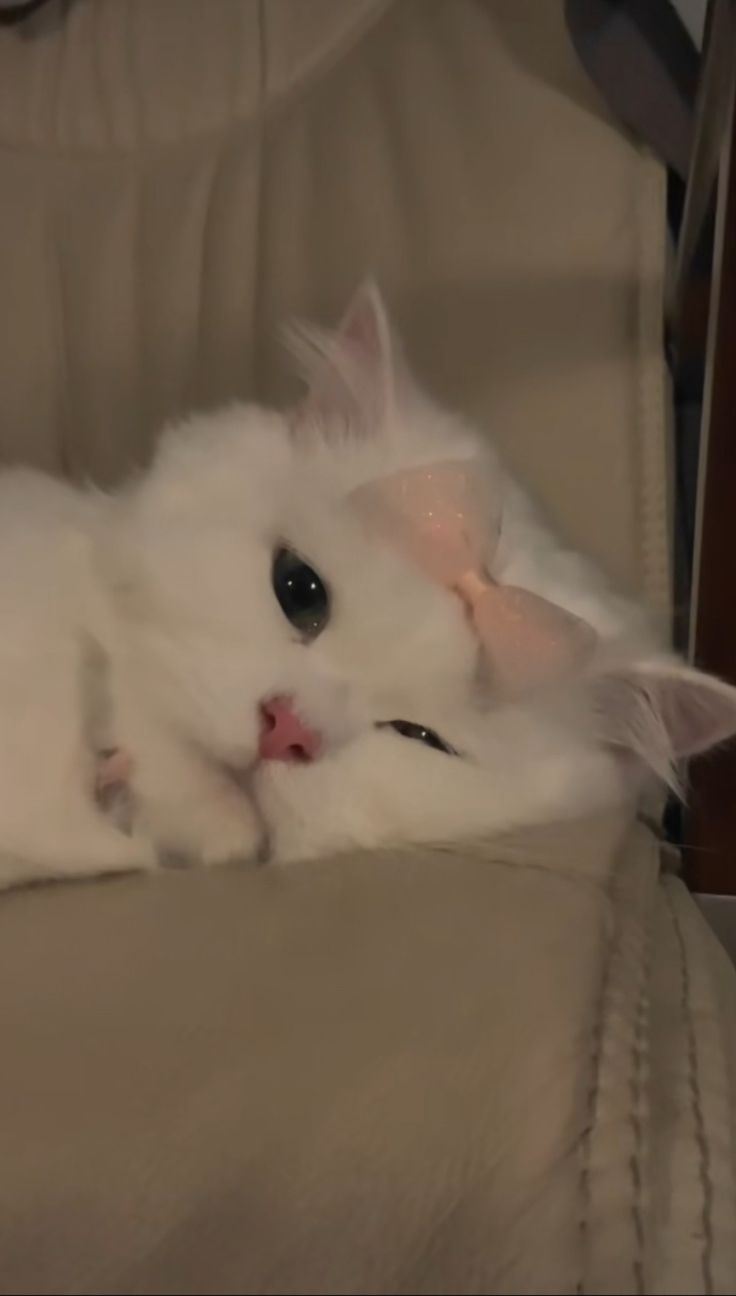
78, 843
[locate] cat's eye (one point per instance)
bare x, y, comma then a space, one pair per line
301, 593
419, 733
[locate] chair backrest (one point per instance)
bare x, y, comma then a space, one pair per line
178, 178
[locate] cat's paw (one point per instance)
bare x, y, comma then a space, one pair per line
202, 833
237, 843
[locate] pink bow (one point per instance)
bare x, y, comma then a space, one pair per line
437, 515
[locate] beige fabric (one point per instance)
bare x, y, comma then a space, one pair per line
662, 1138
694, 1082
489, 1074
180, 177
505, 1070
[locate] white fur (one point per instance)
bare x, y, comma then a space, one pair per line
169, 580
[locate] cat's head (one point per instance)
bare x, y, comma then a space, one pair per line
286, 634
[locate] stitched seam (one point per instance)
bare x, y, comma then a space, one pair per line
258, 297
58, 318
695, 1092
650, 451
619, 943
636, 1088
592, 1100
591, 1106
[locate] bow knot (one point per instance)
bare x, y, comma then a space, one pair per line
437, 516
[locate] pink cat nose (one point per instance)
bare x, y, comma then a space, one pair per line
284, 737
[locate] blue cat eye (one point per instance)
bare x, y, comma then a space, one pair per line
300, 592
419, 733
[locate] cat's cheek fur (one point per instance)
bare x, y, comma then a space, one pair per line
382, 790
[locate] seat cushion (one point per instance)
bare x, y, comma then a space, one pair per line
371, 1075
506, 1070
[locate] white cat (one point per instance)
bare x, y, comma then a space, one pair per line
277, 673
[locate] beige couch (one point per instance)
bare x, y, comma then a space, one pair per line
502, 1071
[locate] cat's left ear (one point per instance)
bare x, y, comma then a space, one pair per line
365, 327
661, 712
352, 374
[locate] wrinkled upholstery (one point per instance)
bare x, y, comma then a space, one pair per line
180, 178
505, 1069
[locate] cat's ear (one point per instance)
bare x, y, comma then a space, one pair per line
661, 711
351, 374
365, 327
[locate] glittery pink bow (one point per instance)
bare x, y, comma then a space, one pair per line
437, 515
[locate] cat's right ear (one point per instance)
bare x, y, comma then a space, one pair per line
351, 374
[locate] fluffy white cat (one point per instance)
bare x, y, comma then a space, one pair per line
273, 675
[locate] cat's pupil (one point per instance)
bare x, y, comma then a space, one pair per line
301, 593
420, 733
